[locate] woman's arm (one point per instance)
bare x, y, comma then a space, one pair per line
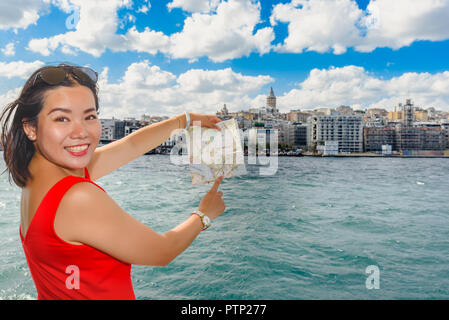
88, 215
118, 153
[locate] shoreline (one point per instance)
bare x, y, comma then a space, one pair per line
341, 156
372, 156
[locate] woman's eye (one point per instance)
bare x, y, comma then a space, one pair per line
61, 119
92, 117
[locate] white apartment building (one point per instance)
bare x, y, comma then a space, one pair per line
346, 130
107, 129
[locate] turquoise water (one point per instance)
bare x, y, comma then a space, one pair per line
307, 232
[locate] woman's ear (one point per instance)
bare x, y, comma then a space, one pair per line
29, 129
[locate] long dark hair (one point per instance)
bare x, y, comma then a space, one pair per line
18, 150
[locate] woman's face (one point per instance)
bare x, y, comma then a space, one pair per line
68, 127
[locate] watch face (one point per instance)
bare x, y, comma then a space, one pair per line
206, 220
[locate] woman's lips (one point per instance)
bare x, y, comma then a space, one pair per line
79, 150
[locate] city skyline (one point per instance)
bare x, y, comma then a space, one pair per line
167, 57
407, 130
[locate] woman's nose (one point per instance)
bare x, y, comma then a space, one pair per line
79, 130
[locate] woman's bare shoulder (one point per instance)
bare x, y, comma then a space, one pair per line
84, 204
84, 194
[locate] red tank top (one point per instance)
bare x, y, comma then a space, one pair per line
62, 270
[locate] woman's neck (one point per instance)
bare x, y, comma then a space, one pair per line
40, 165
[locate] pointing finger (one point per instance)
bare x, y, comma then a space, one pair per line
216, 184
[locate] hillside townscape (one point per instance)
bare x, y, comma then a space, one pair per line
408, 130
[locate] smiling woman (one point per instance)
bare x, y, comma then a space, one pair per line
18, 137
65, 126
79, 244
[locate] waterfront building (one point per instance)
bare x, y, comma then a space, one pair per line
376, 137
107, 129
298, 135
419, 138
172, 140
262, 139
387, 149
374, 122
445, 126
131, 129
331, 148
283, 128
347, 130
119, 129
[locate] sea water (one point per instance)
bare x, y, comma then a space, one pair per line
316, 229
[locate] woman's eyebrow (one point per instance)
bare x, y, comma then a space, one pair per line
70, 111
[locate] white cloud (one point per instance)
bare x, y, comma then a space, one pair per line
228, 29
19, 69
194, 5
323, 25
147, 89
8, 50
94, 33
19, 14
353, 85
142, 75
401, 22
9, 97
206, 81
149, 41
227, 33
64, 5
318, 25
145, 7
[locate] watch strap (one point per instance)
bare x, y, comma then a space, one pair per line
202, 215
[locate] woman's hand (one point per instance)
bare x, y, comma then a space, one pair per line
207, 120
212, 204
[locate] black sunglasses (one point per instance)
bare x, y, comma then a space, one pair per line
56, 75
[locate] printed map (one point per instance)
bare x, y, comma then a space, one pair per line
214, 153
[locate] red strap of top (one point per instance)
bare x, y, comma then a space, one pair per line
86, 173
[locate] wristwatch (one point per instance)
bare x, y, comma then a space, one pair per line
205, 220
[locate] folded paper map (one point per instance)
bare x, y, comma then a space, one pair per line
213, 153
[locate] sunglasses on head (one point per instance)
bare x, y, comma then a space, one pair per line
56, 75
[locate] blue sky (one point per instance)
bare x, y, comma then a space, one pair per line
198, 54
